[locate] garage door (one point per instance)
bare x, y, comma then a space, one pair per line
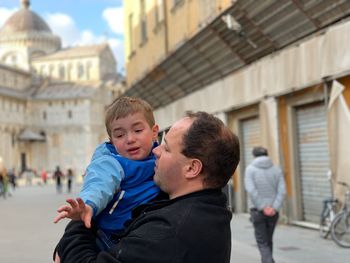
250, 137
312, 143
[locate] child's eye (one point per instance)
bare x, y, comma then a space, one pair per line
138, 130
119, 135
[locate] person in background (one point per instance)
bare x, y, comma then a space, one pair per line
69, 180
3, 179
198, 157
265, 186
44, 176
58, 176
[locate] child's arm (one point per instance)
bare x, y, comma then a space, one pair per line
76, 210
102, 179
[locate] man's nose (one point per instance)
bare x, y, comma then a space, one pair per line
156, 151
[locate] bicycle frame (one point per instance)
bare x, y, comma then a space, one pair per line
340, 227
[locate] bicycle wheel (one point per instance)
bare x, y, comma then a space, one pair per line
325, 224
340, 229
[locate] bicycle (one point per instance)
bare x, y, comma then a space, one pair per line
327, 216
340, 227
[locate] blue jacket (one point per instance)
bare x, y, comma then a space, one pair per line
114, 185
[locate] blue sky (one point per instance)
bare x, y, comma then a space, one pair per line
78, 22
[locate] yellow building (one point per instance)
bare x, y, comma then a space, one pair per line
52, 99
266, 68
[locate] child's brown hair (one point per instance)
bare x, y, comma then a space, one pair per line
123, 106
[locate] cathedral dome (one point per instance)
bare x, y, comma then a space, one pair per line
27, 32
25, 20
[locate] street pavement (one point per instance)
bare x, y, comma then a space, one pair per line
27, 233
292, 244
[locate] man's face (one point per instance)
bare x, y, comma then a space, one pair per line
170, 163
132, 136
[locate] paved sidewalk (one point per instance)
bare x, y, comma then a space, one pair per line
27, 233
292, 244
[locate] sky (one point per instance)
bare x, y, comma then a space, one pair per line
78, 22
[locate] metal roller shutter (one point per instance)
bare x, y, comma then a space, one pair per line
313, 159
250, 130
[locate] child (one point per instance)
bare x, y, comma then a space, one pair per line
120, 175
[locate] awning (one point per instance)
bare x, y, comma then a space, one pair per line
31, 136
240, 35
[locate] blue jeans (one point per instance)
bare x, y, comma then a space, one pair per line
264, 227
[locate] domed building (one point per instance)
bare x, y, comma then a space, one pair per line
52, 99
26, 35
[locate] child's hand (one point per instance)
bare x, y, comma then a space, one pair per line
76, 210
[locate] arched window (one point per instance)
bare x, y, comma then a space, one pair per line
80, 71
88, 70
62, 72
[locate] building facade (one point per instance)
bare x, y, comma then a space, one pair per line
276, 72
52, 99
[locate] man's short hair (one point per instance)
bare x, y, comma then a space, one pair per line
259, 151
213, 143
124, 106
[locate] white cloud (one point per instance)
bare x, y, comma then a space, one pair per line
65, 27
114, 18
5, 13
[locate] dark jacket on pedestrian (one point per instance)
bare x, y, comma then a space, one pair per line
187, 229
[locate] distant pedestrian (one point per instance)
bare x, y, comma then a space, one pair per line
12, 179
3, 179
265, 185
69, 180
44, 176
58, 176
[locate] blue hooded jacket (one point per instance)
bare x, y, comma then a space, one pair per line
114, 185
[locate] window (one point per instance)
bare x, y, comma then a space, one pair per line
62, 72
13, 139
44, 115
159, 12
143, 22
176, 4
88, 70
70, 114
80, 71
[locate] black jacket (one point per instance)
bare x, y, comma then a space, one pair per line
191, 228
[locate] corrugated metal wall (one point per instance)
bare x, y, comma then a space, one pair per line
250, 137
313, 159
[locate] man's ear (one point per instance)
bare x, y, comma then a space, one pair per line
194, 168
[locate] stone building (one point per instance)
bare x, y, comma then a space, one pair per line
276, 72
52, 99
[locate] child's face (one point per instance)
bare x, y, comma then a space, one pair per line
132, 136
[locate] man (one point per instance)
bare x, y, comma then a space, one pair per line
265, 185
199, 156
